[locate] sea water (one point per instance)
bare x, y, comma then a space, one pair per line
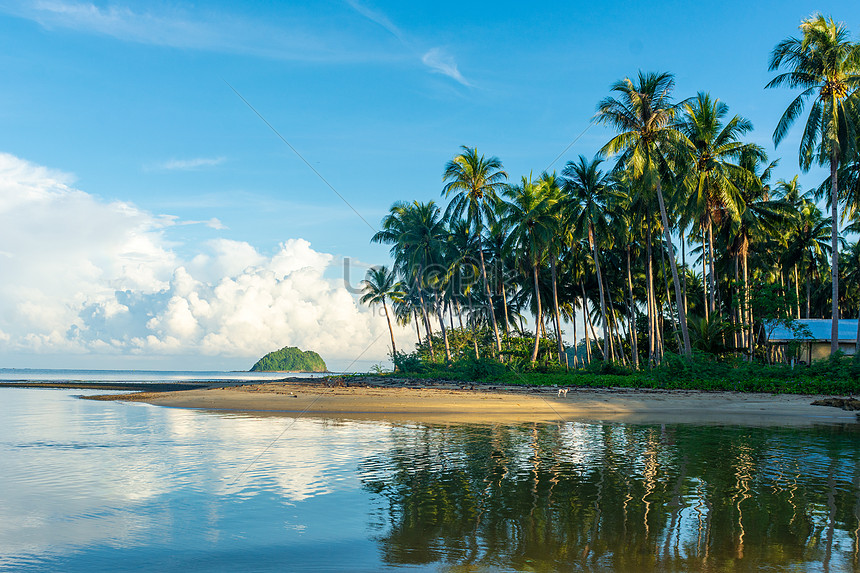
111, 486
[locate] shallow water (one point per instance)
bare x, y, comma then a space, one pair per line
109, 486
153, 376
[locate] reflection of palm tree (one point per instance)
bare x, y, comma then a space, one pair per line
475, 183
825, 64
380, 283
643, 114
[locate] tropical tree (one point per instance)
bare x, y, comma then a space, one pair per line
588, 193
825, 64
527, 212
475, 183
380, 284
711, 170
644, 114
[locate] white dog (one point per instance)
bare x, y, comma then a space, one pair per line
563, 392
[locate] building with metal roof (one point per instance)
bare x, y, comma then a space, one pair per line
815, 342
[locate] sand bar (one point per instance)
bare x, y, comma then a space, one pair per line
429, 401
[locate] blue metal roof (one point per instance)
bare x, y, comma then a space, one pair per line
820, 329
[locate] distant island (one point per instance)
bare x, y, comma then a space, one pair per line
290, 359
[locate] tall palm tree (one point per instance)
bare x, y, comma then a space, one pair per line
528, 214
825, 64
475, 183
416, 233
588, 192
644, 114
380, 284
551, 188
760, 216
712, 169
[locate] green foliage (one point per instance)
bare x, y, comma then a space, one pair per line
290, 359
839, 375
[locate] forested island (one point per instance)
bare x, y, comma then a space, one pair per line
290, 359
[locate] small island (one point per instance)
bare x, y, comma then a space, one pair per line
290, 359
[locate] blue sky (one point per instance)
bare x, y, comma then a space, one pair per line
128, 103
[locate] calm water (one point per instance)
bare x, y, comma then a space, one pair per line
154, 376
101, 486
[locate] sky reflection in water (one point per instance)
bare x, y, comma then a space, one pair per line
108, 486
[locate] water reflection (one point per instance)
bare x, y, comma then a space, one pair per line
110, 486
622, 498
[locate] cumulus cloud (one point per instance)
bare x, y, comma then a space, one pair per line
441, 62
82, 275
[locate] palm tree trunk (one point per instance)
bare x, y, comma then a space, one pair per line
575, 339
417, 325
808, 292
669, 298
834, 255
489, 298
750, 323
427, 326
441, 314
634, 350
537, 316
649, 294
682, 316
505, 302
474, 331
711, 269
391, 332
585, 324
707, 305
606, 354
796, 291
684, 266
561, 351
736, 310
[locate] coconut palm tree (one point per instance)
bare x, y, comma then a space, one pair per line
588, 193
380, 284
528, 215
475, 183
551, 187
760, 216
644, 115
712, 170
825, 64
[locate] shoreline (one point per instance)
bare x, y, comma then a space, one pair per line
446, 401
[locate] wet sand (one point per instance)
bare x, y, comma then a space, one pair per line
429, 401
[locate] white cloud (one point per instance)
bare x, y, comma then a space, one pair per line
297, 36
439, 61
189, 164
86, 276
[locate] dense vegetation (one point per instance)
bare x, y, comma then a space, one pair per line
290, 359
600, 240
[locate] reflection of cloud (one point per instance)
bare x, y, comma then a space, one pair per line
438, 61
187, 164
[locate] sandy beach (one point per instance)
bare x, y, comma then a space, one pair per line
431, 401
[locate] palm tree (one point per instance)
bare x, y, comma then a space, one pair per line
551, 188
712, 172
380, 283
760, 216
643, 113
529, 217
475, 183
588, 192
417, 234
825, 64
